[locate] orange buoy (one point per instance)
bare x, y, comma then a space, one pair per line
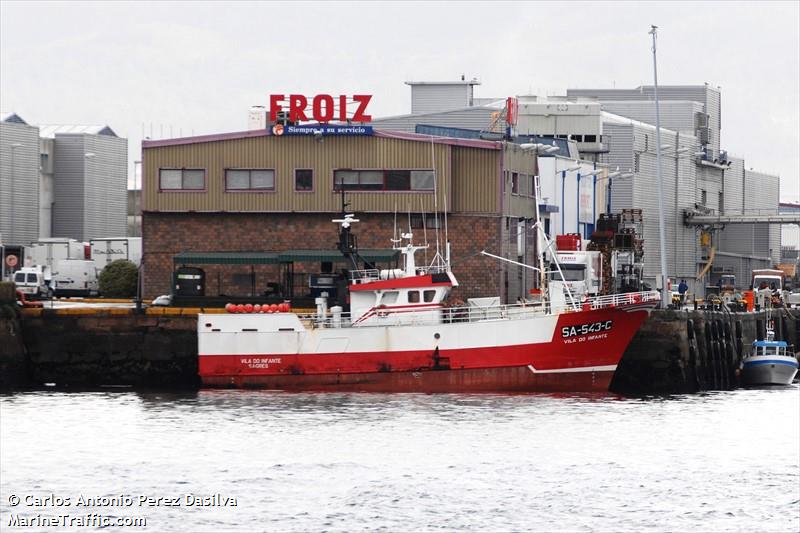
240, 308
248, 308
257, 308
230, 308
273, 308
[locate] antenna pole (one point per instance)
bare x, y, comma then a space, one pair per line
435, 198
539, 251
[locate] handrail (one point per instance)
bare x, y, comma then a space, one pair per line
481, 314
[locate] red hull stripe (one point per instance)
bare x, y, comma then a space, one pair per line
410, 282
516, 379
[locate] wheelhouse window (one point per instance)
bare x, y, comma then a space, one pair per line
249, 179
303, 179
383, 180
181, 179
413, 297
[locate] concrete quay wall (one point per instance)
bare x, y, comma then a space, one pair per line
114, 349
673, 352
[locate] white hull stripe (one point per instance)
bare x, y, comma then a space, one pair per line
606, 368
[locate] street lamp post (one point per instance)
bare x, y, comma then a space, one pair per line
666, 297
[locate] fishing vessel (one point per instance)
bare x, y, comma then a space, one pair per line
770, 363
400, 334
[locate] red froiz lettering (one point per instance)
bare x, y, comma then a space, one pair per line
322, 107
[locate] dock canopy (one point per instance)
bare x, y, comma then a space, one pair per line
271, 258
226, 258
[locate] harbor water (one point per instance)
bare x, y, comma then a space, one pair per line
222, 461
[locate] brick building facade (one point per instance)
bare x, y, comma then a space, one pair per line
473, 183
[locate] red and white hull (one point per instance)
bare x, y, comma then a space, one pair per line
519, 349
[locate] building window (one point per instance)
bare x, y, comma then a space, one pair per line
430, 221
703, 197
303, 179
590, 138
185, 179
383, 180
237, 179
636, 163
514, 183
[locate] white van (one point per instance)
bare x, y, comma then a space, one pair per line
75, 277
35, 282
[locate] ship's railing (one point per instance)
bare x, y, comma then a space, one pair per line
365, 276
447, 315
370, 275
433, 269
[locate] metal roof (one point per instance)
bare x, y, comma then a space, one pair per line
50, 130
12, 118
779, 344
472, 143
271, 258
335, 256
226, 258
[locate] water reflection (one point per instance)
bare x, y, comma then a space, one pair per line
355, 461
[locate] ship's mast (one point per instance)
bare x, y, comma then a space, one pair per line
347, 244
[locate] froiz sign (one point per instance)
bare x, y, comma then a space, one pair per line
323, 107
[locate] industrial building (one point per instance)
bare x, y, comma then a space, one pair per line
19, 181
704, 177
612, 131
252, 211
60, 181
573, 186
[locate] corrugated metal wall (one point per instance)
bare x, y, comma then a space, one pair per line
70, 193
741, 265
105, 192
439, 97
674, 115
707, 95
733, 181
476, 180
523, 203
762, 191
473, 188
19, 183
629, 143
619, 139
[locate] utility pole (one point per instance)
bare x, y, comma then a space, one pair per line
666, 297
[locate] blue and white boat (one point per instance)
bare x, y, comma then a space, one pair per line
771, 363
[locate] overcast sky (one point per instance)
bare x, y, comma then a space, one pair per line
192, 67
